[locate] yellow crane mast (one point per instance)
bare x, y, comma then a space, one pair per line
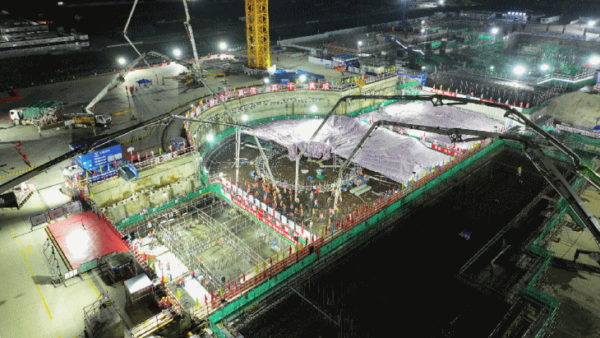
257, 34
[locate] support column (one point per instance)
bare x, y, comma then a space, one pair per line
238, 136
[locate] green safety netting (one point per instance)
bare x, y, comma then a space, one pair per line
39, 108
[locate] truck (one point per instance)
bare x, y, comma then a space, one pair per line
45, 113
40, 113
86, 120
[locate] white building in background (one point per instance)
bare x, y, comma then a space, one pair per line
20, 37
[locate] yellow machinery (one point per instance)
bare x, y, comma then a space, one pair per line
257, 34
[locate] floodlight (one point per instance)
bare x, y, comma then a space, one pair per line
244, 117
222, 45
544, 67
313, 109
302, 78
176, 52
210, 137
266, 80
519, 70
495, 30
121, 60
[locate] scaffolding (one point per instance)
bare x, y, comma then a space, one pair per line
205, 236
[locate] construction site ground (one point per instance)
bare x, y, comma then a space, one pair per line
147, 102
577, 290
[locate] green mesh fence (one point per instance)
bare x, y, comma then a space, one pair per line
587, 143
408, 85
127, 222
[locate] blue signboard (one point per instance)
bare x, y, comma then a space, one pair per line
102, 157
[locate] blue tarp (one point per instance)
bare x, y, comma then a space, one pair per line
142, 81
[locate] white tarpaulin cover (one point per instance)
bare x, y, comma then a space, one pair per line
425, 113
398, 157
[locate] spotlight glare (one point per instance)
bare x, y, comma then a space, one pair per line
176, 52
121, 60
302, 78
313, 109
210, 137
519, 70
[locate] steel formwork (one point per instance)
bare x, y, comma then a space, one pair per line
206, 235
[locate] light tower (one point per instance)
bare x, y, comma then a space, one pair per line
257, 34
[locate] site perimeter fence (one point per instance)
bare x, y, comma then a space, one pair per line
355, 223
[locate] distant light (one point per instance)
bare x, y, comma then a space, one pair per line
60, 3
222, 45
121, 60
595, 60
519, 70
244, 117
176, 52
422, 22
266, 80
313, 109
492, 67
302, 78
544, 67
441, 2
423, 67
591, 23
359, 43
495, 30
422, 30
210, 137
220, 174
